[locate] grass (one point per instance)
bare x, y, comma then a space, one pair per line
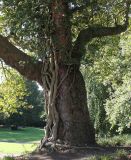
118, 155
25, 140
28, 134
7, 158
16, 148
20, 141
120, 140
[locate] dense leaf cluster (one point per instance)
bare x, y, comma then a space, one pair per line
28, 22
21, 101
108, 74
12, 93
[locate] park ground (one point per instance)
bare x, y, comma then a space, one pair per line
25, 140
19, 142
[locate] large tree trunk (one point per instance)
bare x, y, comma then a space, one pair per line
66, 103
74, 126
68, 116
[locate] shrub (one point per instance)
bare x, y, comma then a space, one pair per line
121, 155
104, 157
113, 141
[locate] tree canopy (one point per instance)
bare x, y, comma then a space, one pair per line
107, 72
28, 25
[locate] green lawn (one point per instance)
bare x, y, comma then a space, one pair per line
21, 141
16, 148
28, 134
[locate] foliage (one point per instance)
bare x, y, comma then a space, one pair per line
28, 22
12, 93
32, 116
118, 155
120, 98
121, 101
96, 97
99, 13
108, 72
106, 157
121, 154
21, 102
119, 140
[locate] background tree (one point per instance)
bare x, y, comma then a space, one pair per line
21, 101
107, 72
34, 115
120, 97
12, 92
57, 31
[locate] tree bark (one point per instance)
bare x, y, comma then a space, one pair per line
75, 127
23, 63
68, 117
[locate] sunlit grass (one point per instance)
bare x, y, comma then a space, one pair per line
16, 148
19, 141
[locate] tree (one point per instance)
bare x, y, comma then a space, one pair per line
97, 94
107, 73
120, 97
20, 100
32, 116
12, 93
58, 32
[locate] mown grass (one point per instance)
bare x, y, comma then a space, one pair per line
19, 141
28, 134
16, 148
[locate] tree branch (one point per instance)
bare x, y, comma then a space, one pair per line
20, 61
80, 8
88, 34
